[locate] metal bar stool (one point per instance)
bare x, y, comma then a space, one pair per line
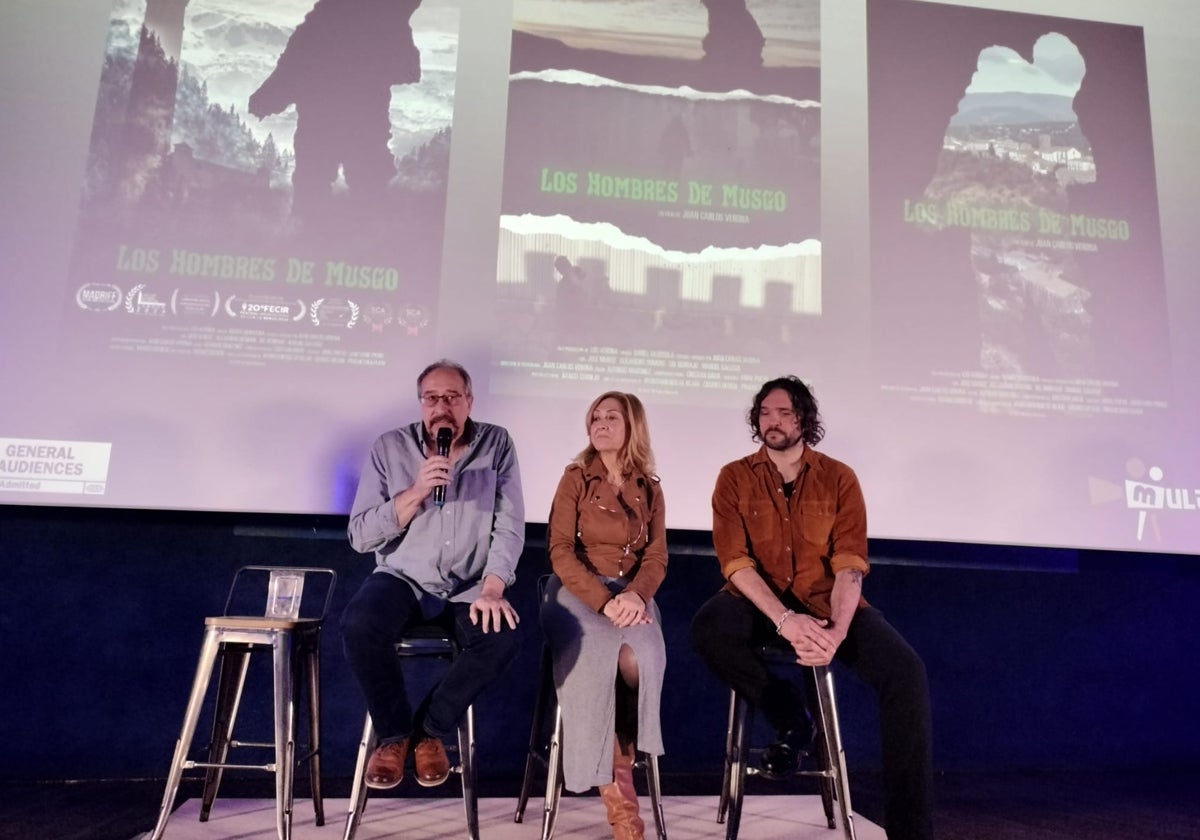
835, 783
290, 629
550, 756
430, 642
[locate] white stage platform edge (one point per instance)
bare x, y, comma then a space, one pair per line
580, 818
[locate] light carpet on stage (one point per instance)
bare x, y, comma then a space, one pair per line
579, 818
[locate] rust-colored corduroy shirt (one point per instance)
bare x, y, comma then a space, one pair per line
591, 533
797, 544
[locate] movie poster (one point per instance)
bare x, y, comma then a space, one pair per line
1015, 245
259, 195
661, 209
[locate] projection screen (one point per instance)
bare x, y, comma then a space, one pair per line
234, 231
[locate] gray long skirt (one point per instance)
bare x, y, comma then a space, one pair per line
584, 645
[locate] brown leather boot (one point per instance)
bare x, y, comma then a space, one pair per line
620, 796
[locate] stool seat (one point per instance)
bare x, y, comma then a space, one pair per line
293, 639
259, 622
431, 642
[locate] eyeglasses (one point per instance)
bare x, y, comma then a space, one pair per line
450, 400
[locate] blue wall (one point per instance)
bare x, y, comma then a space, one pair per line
1037, 658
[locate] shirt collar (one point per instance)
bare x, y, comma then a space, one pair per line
761, 460
595, 469
470, 434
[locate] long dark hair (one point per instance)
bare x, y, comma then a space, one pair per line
803, 403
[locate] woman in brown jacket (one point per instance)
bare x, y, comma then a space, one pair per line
608, 549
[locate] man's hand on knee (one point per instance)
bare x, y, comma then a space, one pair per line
488, 611
809, 637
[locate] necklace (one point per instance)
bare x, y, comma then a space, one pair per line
636, 537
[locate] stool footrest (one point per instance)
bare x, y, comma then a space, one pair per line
198, 765
270, 745
803, 774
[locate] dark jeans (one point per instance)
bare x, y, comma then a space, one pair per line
728, 632
378, 615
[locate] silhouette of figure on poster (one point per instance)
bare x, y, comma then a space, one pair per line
338, 69
571, 301
734, 37
1001, 177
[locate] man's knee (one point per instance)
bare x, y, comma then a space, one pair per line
491, 656
912, 675
709, 633
356, 624
375, 611
903, 677
507, 645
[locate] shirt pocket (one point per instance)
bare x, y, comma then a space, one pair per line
476, 491
817, 520
762, 525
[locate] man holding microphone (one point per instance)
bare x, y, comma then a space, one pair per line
439, 504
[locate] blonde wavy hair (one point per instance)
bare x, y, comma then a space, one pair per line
636, 454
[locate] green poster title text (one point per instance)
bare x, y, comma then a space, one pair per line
1013, 220
593, 184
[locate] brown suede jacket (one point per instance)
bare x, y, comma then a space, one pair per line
797, 544
592, 533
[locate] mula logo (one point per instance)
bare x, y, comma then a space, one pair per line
1144, 493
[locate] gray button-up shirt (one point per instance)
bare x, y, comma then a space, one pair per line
445, 552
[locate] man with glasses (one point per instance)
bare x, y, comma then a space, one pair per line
447, 529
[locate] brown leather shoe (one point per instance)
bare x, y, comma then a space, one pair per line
385, 769
432, 765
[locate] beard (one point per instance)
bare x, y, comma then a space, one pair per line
779, 440
441, 420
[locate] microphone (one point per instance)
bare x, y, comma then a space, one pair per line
444, 437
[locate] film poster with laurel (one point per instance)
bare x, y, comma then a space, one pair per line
257, 196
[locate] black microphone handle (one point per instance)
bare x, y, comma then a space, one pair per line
444, 438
